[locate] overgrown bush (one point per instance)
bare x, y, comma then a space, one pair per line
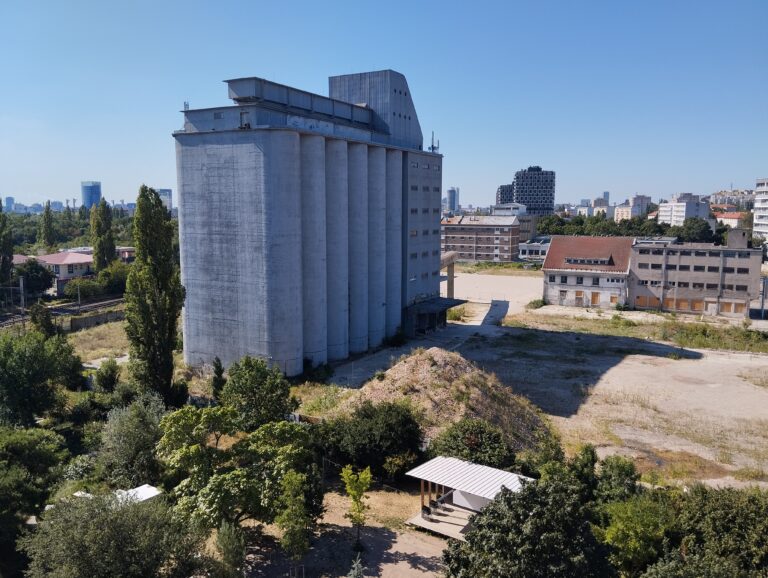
536, 304
457, 313
371, 435
88, 288
112, 280
474, 440
107, 376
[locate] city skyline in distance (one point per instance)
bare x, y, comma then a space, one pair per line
650, 99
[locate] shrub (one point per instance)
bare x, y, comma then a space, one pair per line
536, 304
456, 313
107, 375
88, 288
112, 280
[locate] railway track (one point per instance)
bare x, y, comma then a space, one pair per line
68, 309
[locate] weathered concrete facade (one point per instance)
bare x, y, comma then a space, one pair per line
697, 278
295, 219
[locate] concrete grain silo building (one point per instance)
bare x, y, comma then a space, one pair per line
309, 225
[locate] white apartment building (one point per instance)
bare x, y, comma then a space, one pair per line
683, 206
760, 223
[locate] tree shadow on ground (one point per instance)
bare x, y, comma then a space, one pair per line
557, 370
332, 552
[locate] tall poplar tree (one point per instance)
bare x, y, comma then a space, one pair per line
6, 249
102, 237
46, 234
153, 296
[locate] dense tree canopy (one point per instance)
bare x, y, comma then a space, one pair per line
372, 435
102, 537
542, 531
258, 393
37, 277
31, 365
474, 440
130, 435
694, 229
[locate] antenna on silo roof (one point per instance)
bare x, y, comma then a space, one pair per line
433, 148
186, 105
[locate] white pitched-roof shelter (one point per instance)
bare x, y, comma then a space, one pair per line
139, 494
461, 490
482, 481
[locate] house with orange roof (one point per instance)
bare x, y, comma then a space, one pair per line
587, 271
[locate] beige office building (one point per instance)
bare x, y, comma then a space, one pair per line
695, 277
481, 238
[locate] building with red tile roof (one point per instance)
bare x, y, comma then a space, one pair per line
587, 271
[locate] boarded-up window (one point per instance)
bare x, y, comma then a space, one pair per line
726, 307
682, 304
641, 301
669, 303
738, 308
697, 305
614, 299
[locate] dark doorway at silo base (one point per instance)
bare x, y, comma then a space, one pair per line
429, 315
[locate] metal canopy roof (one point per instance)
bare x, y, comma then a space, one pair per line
475, 479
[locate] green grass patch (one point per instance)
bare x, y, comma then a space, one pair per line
704, 336
458, 313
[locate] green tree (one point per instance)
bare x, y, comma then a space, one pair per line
29, 464
636, 532
294, 519
230, 543
6, 249
114, 277
107, 375
371, 435
693, 230
127, 455
30, 368
617, 481
258, 393
236, 481
37, 278
41, 319
102, 236
474, 440
218, 381
356, 486
154, 296
103, 537
46, 234
727, 523
542, 531
82, 214
694, 566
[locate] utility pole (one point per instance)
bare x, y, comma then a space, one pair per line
78, 298
23, 300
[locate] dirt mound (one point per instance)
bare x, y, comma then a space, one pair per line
443, 387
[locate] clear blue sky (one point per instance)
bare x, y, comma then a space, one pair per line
652, 96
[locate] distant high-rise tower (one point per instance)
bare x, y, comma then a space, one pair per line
505, 194
91, 193
607, 197
9, 202
166, 195
533, 188
453, 199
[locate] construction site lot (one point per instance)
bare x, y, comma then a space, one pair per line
684, 406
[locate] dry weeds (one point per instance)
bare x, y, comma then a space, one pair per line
107, 340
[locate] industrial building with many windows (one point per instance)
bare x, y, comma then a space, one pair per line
309, 225
481, 238
695, 277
